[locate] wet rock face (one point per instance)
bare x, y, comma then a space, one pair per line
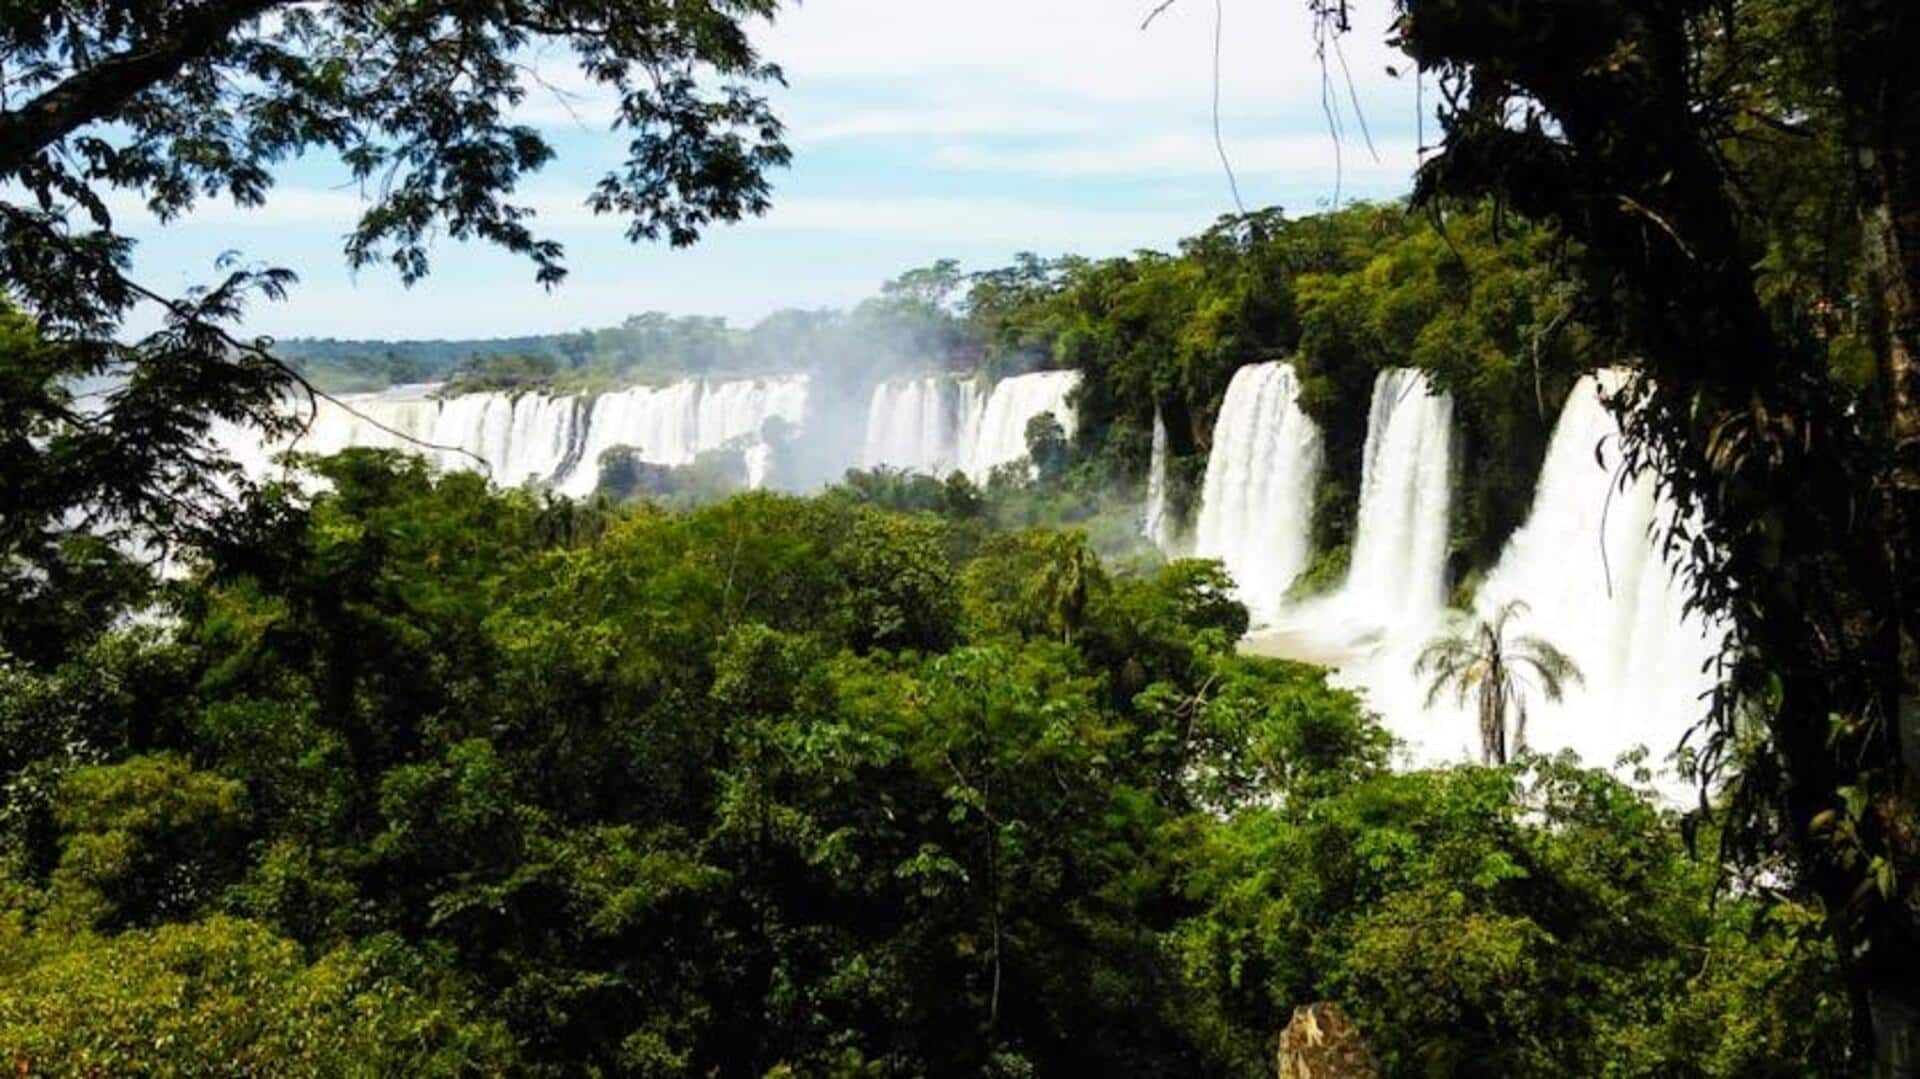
1322, 1043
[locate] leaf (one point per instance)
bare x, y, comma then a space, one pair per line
1855, 799
1881, 870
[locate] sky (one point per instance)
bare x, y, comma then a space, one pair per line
921, 129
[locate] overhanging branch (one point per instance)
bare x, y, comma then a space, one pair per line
96, 91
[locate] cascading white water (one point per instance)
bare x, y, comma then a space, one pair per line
556, 440
1256, 504
1000, 435
528, 437
973, 409
938, 423
1158, 524
934, 424
675, 423
738, 409
659, 422
915, 424
1397, 571
1588, 565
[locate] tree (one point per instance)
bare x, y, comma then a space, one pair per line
1678, 143
167, 103
1047, 446
1069, 573
1484, 662
193, 998
146, 839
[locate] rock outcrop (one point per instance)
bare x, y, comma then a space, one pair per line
1320, 1042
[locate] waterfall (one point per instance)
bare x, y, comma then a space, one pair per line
738, 409
1000, 435
973, 409
1588, 565
659, 422
556, 440
1158, 525
518, 438
1256, 504
1398, 567
916, 424
933, 424
675, 423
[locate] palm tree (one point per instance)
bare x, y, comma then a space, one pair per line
1483, 659
1069, 577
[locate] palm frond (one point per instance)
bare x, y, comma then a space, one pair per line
1450, 660
1555, 668
1507, 612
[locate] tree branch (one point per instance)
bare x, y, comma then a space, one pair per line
97, 91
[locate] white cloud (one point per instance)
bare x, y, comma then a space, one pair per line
922, 128
335, 209
1015, 222
885, 68
939, 119
1300, 158
1093, 51
978, 220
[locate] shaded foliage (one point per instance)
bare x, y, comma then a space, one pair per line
476, 781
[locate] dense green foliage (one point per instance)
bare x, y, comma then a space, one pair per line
409, 776
468, 781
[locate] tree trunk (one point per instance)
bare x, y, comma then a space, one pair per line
1880, 91
1493, 717
1807, 519
1875, 46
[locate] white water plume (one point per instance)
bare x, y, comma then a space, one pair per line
939, 423
1000, 435
1257, 502
546, 439
1397, 570
1158, 525
1586, 563
918, 423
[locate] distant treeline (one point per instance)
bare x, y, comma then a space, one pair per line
909, 322
643, 345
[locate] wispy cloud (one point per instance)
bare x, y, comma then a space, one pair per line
920, 130
1031, 223
940, 119
1302, 157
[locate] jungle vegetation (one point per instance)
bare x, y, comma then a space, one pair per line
470, 781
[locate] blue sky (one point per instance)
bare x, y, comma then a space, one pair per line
921, 129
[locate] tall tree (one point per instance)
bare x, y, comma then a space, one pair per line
165, 103
1679, 141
